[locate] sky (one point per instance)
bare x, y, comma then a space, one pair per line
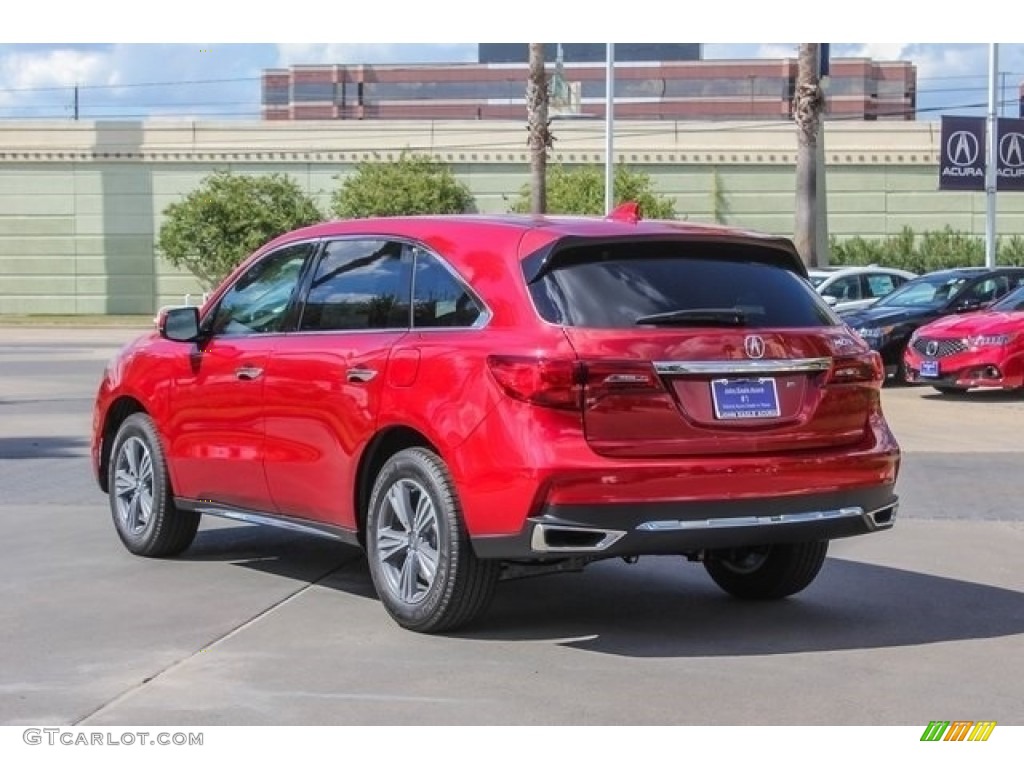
141, 75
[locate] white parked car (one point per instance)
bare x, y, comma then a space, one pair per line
856, 287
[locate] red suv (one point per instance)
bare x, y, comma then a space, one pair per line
473, 397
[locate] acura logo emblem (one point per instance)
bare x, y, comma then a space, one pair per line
754, 347
962, 148
931, 348
1011, 150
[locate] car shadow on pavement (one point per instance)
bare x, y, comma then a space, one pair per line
664, 607
977, 396
43, 447
651, 612
296, 556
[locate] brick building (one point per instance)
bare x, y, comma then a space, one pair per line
693, 89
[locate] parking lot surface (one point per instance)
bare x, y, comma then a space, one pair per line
260, 626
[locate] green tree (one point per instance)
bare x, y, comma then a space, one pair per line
580, 190
228, 217
405, 187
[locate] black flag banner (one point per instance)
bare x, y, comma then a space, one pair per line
962, 155
962, 161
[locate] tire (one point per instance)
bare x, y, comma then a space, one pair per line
421, 560
951, 391
767, 573
899, 378
141, 499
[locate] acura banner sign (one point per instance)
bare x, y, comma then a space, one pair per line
1011, 154
962, 163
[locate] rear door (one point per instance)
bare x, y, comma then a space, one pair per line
324, 383
697, 348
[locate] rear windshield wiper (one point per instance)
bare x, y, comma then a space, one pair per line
726, 317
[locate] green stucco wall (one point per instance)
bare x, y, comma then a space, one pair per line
76, 236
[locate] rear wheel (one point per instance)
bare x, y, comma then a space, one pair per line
141, 500
421, 560
767, 572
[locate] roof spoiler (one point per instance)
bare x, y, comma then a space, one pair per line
628, 212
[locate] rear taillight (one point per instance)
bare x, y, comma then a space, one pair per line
863, 368
553, 383
559, 383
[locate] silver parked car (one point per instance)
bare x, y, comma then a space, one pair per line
856, 287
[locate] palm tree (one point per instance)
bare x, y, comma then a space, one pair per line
538, 125
808, 103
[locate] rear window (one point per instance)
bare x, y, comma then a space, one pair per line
614, 286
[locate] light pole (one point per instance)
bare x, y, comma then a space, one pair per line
609, 129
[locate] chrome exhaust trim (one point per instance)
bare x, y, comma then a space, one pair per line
566, 538
883, 518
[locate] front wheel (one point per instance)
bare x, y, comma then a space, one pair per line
141, 500
768, 572
421, 560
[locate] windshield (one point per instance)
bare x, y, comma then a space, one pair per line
928, 291
1012, 302
817, 280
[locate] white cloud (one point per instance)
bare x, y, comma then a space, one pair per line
24, 70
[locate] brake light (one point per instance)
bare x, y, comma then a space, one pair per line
863, 368
552, 383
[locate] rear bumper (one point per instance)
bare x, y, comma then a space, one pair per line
619, 530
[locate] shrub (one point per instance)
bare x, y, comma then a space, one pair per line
228, 217
404, 187
580, 190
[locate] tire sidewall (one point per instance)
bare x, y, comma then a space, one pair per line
139, 426
425, 469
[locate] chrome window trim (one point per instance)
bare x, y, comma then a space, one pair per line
742, 367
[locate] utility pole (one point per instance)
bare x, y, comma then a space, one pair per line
808, 103
76, 102
538, 125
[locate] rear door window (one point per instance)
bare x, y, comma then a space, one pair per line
360, 285
614, 286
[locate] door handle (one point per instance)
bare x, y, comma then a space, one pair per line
360, 375
248, 373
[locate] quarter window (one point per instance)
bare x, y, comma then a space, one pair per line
439, 299
359, 285
258, 301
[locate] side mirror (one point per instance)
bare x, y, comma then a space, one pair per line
969, 305
831, 300
179, 323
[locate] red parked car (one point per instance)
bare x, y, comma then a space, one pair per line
961, 352
472, 397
